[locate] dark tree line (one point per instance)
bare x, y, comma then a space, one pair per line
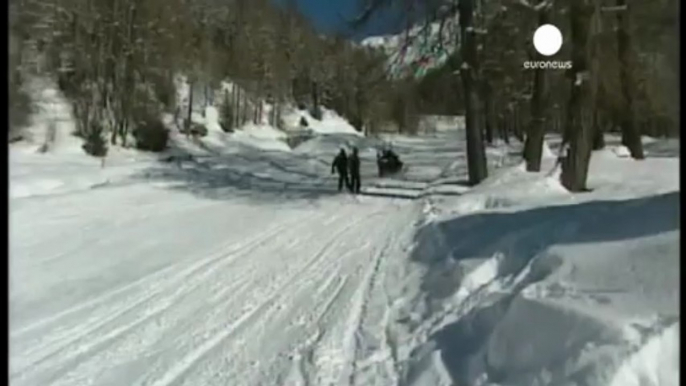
623, 77
117, 61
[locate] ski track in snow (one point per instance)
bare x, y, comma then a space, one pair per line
292, 297
147, 283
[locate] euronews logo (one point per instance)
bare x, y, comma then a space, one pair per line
547, 42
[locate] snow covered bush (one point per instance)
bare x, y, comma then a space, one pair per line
165, 92
303, 122
198, 129
95, 143
19, 110
316, 113
227, 115
151, 135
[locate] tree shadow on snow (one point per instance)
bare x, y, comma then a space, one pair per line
267, 176
258, 175
521, 235
664, 148
468, 353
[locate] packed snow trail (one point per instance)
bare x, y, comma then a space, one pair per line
142, 286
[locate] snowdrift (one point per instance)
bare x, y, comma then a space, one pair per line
261, 136
527, 284
438, 123
330, 124
52, 126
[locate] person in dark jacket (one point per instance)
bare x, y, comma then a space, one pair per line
340, 165
354, 166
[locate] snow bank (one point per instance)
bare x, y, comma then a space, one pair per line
257, 136
655, 363
51, 160
38, 174
211, 120
52, 125
528, 284
512, 186
547, 153
263, 137
330, 144
331, 122
430, 123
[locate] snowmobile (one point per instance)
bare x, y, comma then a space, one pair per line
388, 163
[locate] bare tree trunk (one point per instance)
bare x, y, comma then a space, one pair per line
476, 154
631, 138
598, 134
246, 111
316, 112
502, 129
517, 124
128, 73
276, 108
278, 115
489, 113
533, 147
124, 132
559, 126
236, 95
256, 110
190, 108
260, 110
113, 134
576, 161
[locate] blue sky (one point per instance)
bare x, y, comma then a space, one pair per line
328, 16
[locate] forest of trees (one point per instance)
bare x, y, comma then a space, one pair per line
116, 61
624, 76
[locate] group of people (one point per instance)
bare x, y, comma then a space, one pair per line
348, 169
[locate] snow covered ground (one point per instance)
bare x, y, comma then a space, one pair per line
526, 284
231, 261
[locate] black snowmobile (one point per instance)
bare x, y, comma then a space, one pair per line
388, 163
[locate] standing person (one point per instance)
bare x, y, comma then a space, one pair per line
340, 165
354, 167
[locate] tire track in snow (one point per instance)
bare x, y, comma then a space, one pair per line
107, 296
315, 317
306, 349
175, 374
373, 343
236, 291
73, 357
369, 284
116, 344
207, 266
300, 351
305, 353
323, 362
312, 273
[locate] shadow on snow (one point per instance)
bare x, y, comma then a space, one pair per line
258, 175
523, 238
523, 234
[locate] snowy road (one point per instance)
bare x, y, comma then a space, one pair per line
234, 261
144, 286
245, 267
